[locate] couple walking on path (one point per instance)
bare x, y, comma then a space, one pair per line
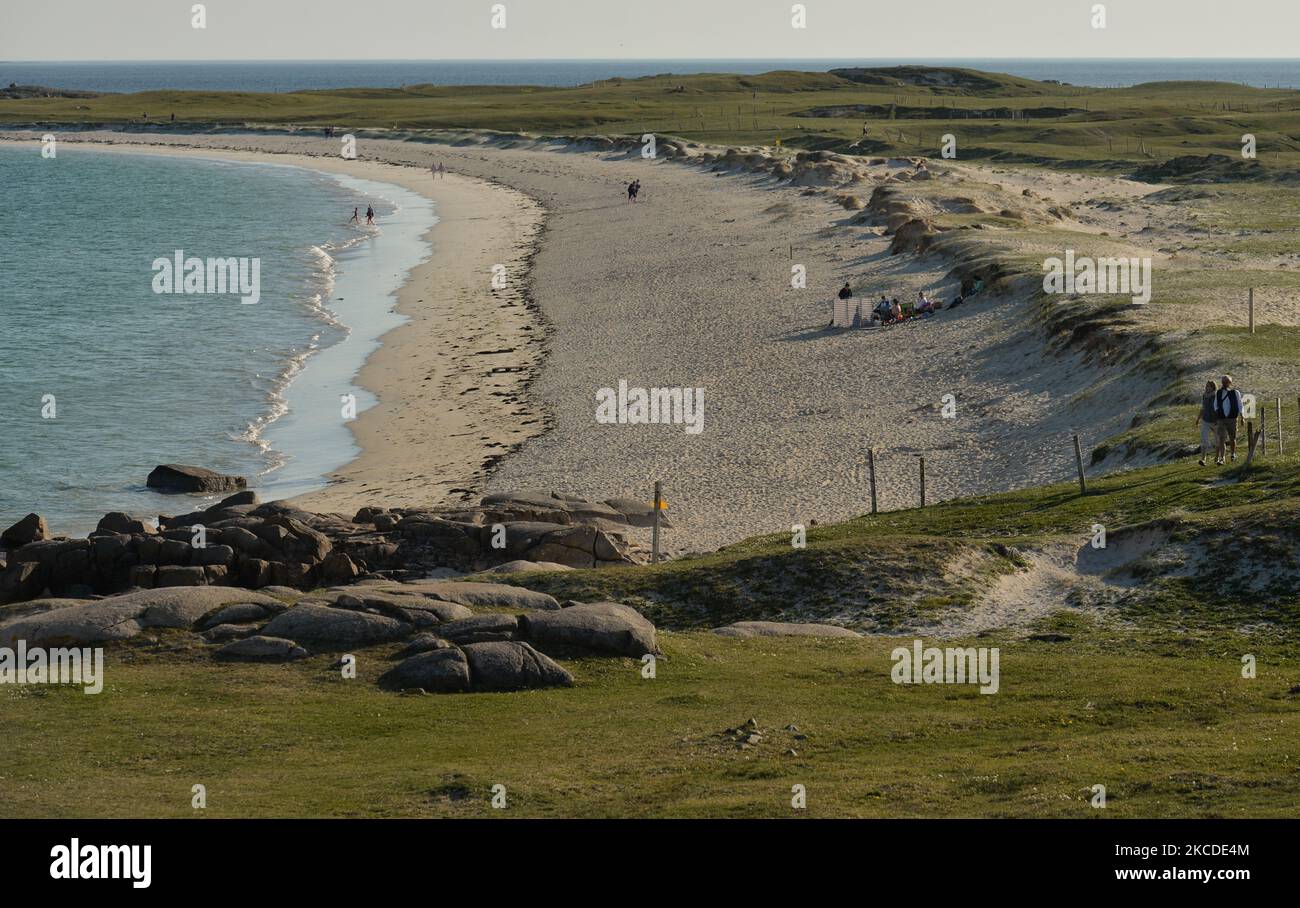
1221, 414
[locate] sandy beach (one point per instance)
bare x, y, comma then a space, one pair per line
688, 288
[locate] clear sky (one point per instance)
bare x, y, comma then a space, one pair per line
565, 29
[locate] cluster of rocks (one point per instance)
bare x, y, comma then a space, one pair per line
748, 734
242, 542
782, 629
449, 647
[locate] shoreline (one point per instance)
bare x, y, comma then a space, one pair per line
691, 288
428, 439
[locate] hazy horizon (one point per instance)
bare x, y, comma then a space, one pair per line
709, 59
298, 30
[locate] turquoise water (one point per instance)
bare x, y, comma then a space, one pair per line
138, 378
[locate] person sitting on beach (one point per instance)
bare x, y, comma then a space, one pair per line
896, 311
957, 301
1228, 410
884, 311
976, 287
846, 292
1207, 419
925, 308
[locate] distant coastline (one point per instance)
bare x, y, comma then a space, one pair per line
298, 75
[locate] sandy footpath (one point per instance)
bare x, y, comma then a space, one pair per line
688, 288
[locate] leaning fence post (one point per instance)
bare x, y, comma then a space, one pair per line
871, 468
1078, 464
1263, 430
1279, 425
923, 481
654, 539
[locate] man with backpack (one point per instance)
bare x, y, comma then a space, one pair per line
1228, 410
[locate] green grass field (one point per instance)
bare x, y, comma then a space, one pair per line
1169, 726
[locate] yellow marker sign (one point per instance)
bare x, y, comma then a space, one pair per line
663, 505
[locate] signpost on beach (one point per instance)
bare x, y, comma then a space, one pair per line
654, 538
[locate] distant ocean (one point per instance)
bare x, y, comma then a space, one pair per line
273, 76
136, 379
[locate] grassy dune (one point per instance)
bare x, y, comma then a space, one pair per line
896, 570
1041, 123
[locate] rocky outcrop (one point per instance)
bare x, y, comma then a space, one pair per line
176, 477
450, 647
494, 666
326, 626
122, 617
442, 671
782, 629
607, 627
261, 649
243, 543
31, 528
512, 666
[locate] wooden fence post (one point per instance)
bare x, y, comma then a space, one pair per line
871, 468
1263, 430
1078, 464
922, 481
1253, 437
1252, 310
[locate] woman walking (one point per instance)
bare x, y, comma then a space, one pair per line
1207, 419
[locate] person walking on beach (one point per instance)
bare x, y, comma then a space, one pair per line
356, 216
1208, 422
442, 170
1227, 409
370, 215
